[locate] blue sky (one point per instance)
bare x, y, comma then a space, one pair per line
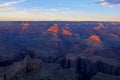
60, 10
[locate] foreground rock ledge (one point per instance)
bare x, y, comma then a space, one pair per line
18, 69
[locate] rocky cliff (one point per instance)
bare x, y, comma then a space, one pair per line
103, 76
18, 69
91, 65
88, 65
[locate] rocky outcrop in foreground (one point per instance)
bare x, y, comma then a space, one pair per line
103, 76
91, 65
18, 69
82, 67
88, 65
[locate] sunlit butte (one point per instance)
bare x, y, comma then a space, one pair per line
95, 38
54, 28
94, 42
66, 32
25, 26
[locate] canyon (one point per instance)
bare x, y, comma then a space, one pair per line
59, 50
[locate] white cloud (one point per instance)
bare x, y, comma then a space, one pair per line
9, 12
109, 3
38, 14
10, 3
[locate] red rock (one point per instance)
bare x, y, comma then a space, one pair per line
95, 38
54, 29
25, 25
66, 32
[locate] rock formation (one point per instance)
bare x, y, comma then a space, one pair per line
25, 25
18, 69
103, 76
53, 29
90, 65
113, 36
66, 32
95, 41
100, 25
95, 38
68, 61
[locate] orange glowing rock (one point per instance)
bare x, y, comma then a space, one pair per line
94, 42
66, 32
95, 38
25, 26
54, 29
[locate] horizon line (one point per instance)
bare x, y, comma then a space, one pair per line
61, 20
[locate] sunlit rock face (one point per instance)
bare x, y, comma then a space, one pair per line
24, 28
95, 38
92, 44
94, 41
57, 33
54, 29
66, 32
25, 25
95, 46
100, 25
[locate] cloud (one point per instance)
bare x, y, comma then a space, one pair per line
56, 14
13, 13
110, 3
40, 14
11, 3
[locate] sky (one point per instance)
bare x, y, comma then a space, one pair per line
59, 10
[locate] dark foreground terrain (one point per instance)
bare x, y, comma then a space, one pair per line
59, 50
